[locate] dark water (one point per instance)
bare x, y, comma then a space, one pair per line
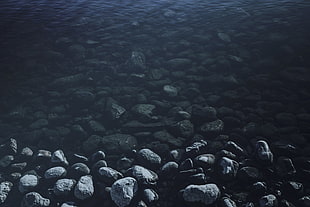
252, 57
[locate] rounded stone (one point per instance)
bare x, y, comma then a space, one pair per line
34, 199
27, 183
55, 172
148, 158
84, 188
123, 191
206, 194
63, 187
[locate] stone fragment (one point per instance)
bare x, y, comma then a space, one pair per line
206, 194
123, 191
84, 188
34, 199
59, 158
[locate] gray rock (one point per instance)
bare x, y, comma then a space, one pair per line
26, 153
64, 187
212, 127
170, 90
109, 175
5, 188
27, 183
69, 204
84, 188
263, 152
112, 144
268, 201
169, 169
228, 168
123, 191
148, 158
197, 147
150, 195
99, 155
43, 155
227, 202
178, 63
206, 194
55, 172
6, 161
166, 137
183, 128
205, 160
96, 127
143, 175
144, 112
59, 158
115, 111
34, 199
79, 169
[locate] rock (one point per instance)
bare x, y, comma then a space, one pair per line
224, 37
212, 127
6, 161
166, 137
43, 156
55, 172
148, 158
227, 202
5, 188
96, 127
142, 175
263, 152
183, 128
123, 191
268, 201
9, 147
202, 114
304, 201
206, 194
234, 148
228, 168
68, 204
111, 144
144, 112
170, 90
150, 195
26, 153
78, 169
178, 63
205, 160
34, 199
27, 183
84, 188
136, 62
59, 158
198, 147
285, 167
99, 155
68, 81
186, 164
259, 189
169, 169
108, 175
292, 190
249, 174
63, 187
82, 98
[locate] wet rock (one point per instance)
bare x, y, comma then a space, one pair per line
205, 160
249, 174
170, 90
142, 175
183, 128
34, 199
144, 112
63, 187
27, 183
198, 147
59, 158
169, 169
84, 188
5, 188
112, 144
212, 127
99, 155
123, 191
114, 110
148, 158
78, 169
55, 172
228, 168
6, 161
268, 201
206, 194
150, 195
109, 175
263, 152
227, 202
285, 167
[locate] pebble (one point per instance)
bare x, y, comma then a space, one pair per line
206, 194
123, 191
27, 183
142, 175
63, 187
263, 152
84, 189
108, 175
148, 158
59, 158
228, 168
78, 169
55, 172
150, 195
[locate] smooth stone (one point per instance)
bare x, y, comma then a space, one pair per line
206, 194
64, 187
148, 158
69, 204
108, 175
169, 169
123, 191
27, 183
84, 189
99, 155
142, 175
205, 160
34, 199
5, 188
263, 152
228, 168
55, 172
268, 201
59, 158
150, 195
78, 169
